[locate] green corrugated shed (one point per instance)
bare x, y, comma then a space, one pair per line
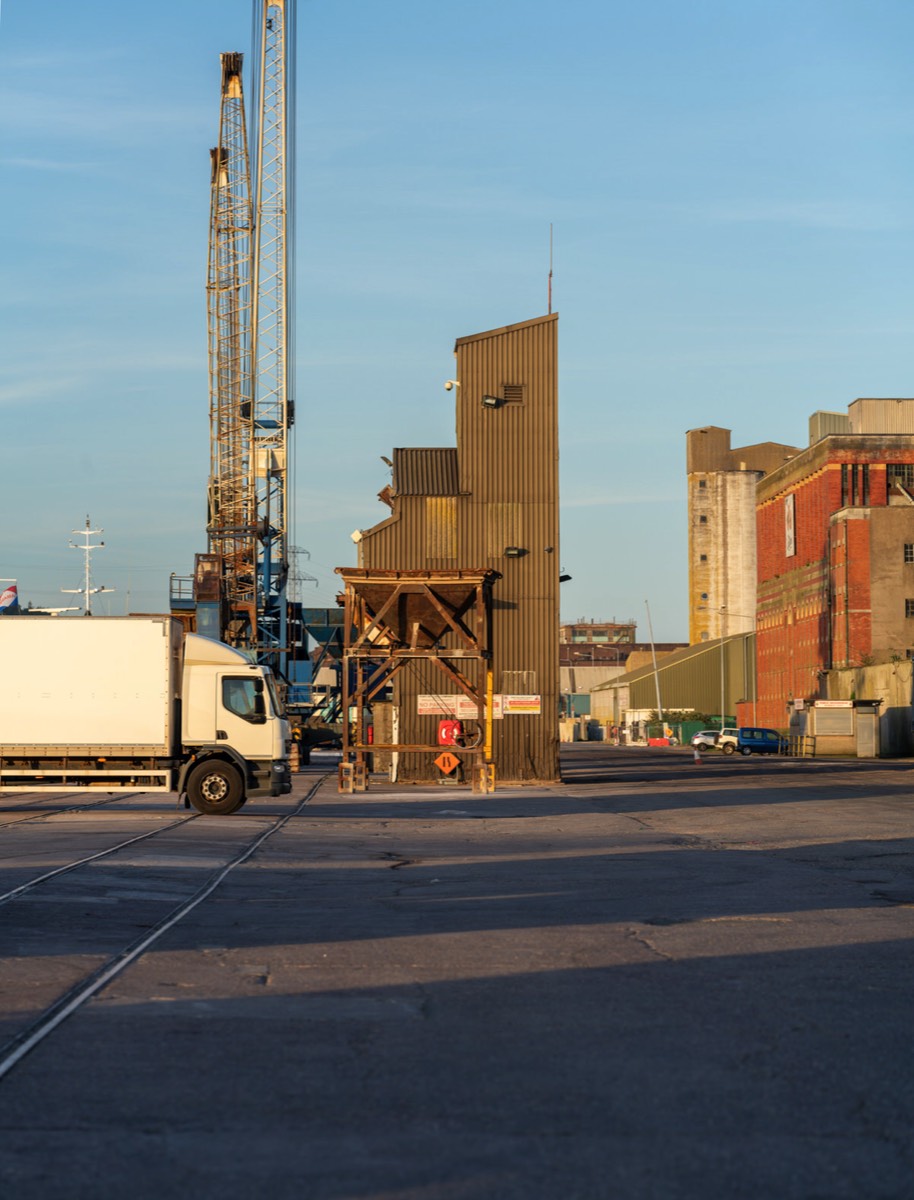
696, 677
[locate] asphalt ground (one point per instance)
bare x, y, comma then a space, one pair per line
659, 979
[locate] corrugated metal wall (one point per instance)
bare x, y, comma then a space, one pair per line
508, 463
821, 424
425, 471
508, 466
881, 416
689, 680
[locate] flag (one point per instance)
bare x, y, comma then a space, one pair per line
9, 601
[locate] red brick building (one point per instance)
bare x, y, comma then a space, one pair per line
835, 531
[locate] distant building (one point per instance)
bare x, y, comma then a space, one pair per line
707, 678
597, 632
721, 520
836, 555
584, 665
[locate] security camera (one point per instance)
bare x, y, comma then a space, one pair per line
450, 383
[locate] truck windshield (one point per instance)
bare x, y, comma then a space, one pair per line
275, 702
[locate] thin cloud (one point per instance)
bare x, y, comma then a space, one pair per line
53, 386
112, 118
62, 61
30, 391
48, 164
809, 214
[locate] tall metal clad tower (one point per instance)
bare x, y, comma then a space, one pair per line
273, 409
232, 501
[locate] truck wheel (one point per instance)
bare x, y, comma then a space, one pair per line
215, 788
728, 747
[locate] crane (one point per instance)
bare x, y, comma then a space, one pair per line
273, 412
245, 589
232, 505
240, 586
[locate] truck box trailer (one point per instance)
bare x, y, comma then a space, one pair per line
128, 703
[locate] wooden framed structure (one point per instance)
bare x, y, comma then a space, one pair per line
394, 618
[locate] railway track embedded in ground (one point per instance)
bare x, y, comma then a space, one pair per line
153, 880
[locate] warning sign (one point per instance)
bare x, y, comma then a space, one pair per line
439, 706
447, 762
455, 706
523, 704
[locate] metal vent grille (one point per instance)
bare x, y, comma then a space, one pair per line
513, 393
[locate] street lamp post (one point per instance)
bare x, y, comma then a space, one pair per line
723, 705
724, 613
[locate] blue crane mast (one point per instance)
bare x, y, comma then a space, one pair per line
239, 592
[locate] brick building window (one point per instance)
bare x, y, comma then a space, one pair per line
704, 557
855, 485
901, 473
909, 552
702, 520
909, 608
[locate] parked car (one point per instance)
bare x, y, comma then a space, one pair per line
705, 737
752, 740
727, 739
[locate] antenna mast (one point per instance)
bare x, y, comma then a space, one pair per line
550, 268
87, 590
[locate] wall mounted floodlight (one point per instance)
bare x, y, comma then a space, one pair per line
491, 402
514, 552
564, 578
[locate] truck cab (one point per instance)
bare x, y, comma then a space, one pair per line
233, 729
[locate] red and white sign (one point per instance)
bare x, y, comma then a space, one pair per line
454, 706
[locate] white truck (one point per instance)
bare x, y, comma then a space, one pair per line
132, 703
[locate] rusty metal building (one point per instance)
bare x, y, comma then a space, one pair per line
490, 503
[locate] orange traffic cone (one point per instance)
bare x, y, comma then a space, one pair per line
697, 757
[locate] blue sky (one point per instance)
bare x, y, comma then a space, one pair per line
730, 185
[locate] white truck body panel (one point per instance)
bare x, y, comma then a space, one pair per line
101, 683
128, 703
